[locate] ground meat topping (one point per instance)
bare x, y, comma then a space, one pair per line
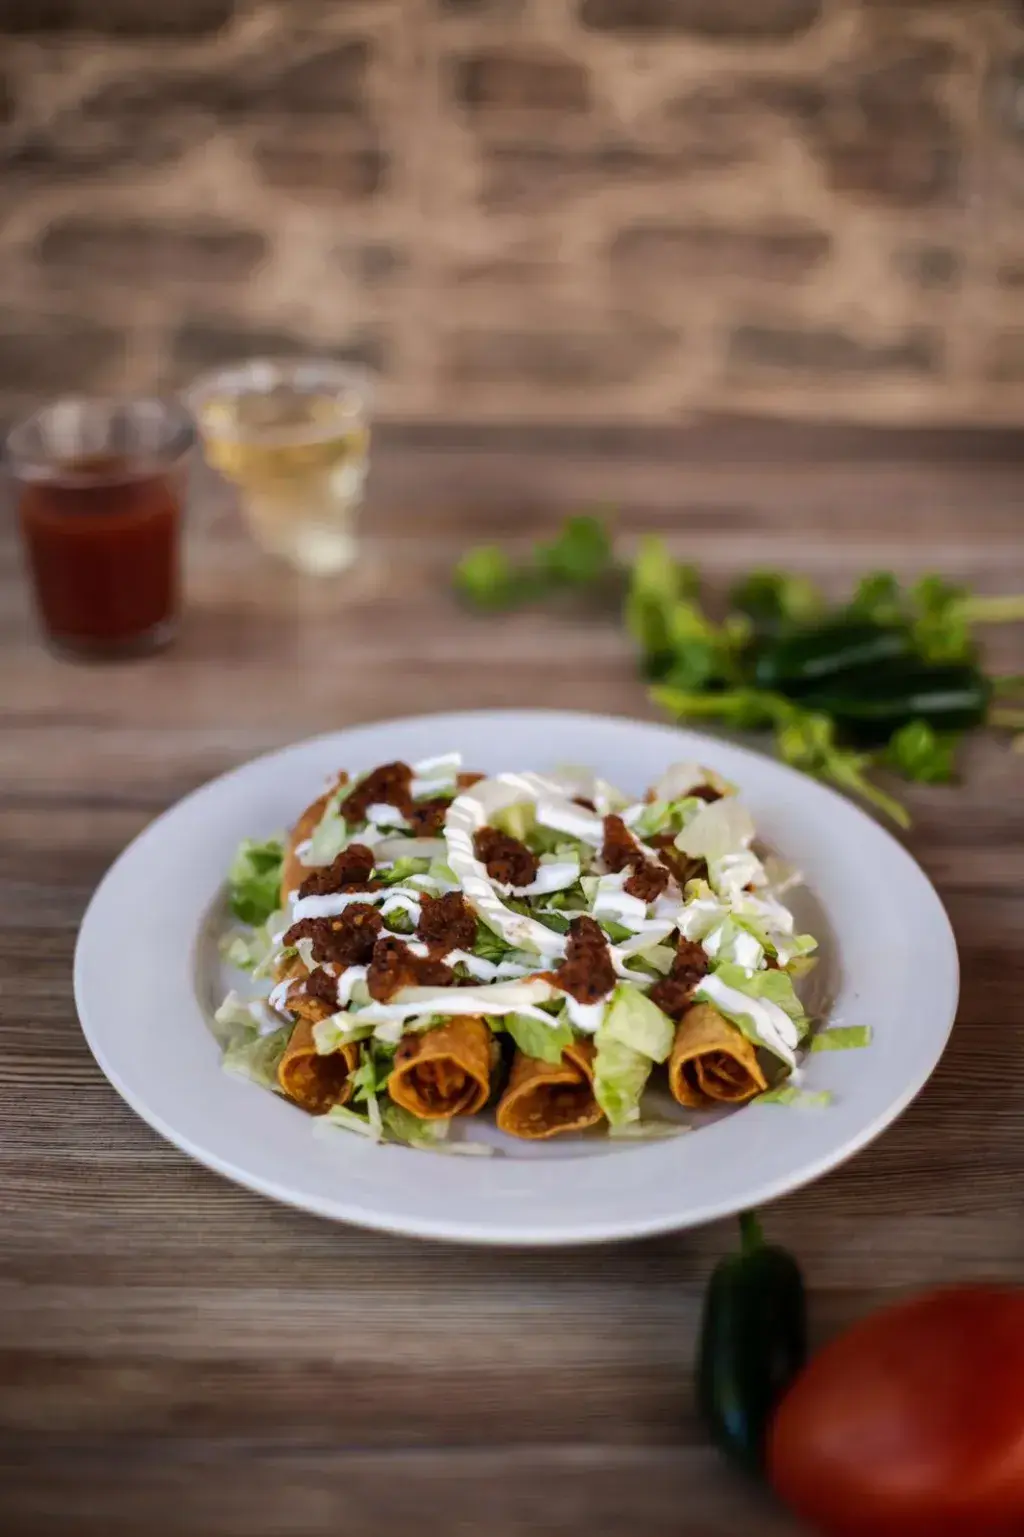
674, 993
647, 881
323, 985
351, 871
507, 860
447, 923
347, 940
620, 851
466, 781
705, 793
587, 972
394, 966
683, 866
386, 786
426, 818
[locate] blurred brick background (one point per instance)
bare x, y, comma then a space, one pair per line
582, 209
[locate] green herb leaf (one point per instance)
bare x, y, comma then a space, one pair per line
918, 752
878, 597
485, 576
941, 628
579, 554
773, 600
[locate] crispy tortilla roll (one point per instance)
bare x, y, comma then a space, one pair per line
445, 1071
545, 1099
312, 1081
712, 1062
293, 871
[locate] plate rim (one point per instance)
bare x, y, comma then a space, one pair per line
506, 1236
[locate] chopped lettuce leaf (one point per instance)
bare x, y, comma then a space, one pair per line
633, 1020
620, 1077
349, 1120
339, 1030
789, 1094
534, 1039
667, 816
652, 1130
332, 832
255, 951
257, 1058
254, 880
401, 870
720, 828
842, 1038
370, 1078
490, 946
517, 820
774, 986
401, 1125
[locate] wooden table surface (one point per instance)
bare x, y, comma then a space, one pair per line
180, 1357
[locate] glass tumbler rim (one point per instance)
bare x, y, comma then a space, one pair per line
25, 453
262, 373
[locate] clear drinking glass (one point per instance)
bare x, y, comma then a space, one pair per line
294, 437
100, 488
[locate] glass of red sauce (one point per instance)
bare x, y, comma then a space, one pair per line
100, 489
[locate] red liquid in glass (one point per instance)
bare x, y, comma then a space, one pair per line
102, 540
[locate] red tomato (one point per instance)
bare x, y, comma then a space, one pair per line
912, 1423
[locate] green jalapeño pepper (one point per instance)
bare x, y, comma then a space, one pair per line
870, 704
822, 652
753, 1342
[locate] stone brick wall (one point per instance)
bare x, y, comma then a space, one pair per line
580, 209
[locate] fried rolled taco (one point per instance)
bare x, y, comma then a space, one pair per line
712, 1062
313, 1081
293, 871
445, 1071
545, 1099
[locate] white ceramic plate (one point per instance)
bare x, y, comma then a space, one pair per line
146, 978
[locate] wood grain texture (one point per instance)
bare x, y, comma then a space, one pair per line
180, 1357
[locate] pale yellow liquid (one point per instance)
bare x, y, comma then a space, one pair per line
299, 460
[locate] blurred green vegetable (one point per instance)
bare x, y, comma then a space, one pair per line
893, 669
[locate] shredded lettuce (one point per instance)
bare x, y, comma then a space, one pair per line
488, 945
634, 1021
666, 816
620, 1076
534, 1039
842, 1038
254, 880
789, 1094
350, 1120
371, 1076
258, 1057
517, 820
332, 831
339, 1030
401, 870
653, 1130
256, 951
720, 828
773, 986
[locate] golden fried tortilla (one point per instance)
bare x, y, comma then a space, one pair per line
712, 1062
313, 1081
545, 1099
445, 1071
293, 871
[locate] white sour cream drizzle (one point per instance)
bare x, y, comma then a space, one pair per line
469, 812
721, 832
773, 1025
